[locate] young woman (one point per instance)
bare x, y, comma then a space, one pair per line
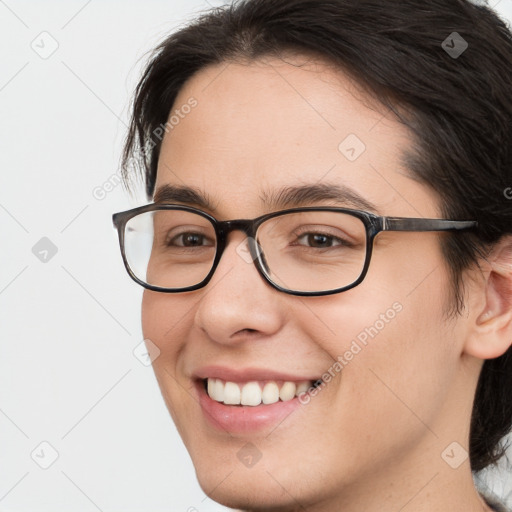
327, 256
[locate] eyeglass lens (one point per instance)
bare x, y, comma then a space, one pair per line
303, 251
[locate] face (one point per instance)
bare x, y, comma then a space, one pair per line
393, 394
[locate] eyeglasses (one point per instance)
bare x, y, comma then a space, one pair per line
300, 251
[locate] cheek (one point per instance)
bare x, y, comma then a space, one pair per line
164, 318
164, 323
391, 317
398, 357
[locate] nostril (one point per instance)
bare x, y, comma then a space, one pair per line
245, 331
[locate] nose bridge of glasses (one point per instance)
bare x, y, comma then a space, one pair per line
245, 249
228, 226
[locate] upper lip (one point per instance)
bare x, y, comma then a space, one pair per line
248, 374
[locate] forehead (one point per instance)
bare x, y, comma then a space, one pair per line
273, 123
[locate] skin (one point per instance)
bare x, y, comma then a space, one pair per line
373, 438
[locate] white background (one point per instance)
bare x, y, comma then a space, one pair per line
68, 375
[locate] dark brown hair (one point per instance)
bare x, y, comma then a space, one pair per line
458, 108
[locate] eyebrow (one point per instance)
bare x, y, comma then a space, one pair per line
286, 197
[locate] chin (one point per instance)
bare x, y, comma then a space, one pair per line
251, 490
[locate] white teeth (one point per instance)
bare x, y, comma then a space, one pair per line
287, 392
231, 393
302, 387
216, 389
211, 388
270, 393
252, 394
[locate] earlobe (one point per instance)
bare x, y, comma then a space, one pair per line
491, 334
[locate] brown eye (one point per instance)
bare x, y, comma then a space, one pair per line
188, 239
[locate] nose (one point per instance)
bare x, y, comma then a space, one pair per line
237, 300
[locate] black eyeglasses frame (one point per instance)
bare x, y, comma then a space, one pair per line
374, 224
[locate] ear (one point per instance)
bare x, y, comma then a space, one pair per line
490, 333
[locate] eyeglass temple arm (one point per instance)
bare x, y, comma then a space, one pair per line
411, 224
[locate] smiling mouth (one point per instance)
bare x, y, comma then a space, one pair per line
254, 393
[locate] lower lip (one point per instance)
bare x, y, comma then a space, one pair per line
244, 418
